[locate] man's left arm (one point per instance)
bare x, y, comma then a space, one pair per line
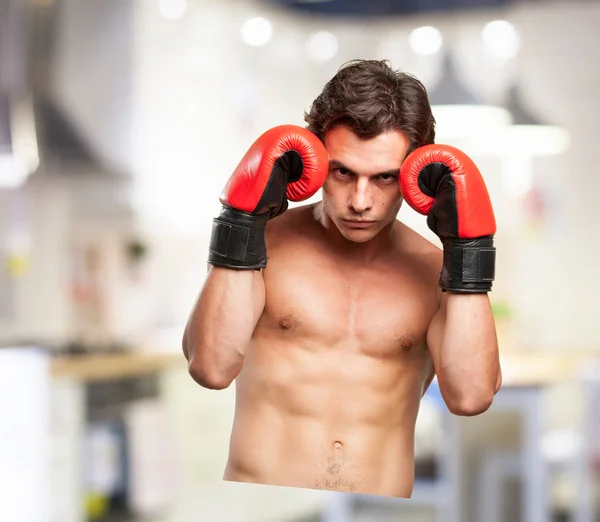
444, 184
464, 349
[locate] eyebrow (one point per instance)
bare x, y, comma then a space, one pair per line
336, 164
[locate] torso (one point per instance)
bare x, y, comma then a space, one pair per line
333, 377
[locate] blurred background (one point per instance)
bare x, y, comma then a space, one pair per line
121, 120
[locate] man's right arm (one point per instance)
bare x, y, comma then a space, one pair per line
221, 325
284, 162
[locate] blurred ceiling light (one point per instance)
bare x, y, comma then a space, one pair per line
257, 31
426, 40
501, 39
459, 114
322, 46
172, 9
18, 142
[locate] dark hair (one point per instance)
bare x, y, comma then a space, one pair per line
370, 97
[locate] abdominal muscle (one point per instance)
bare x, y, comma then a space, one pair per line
332, 419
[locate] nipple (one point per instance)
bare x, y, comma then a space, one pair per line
287, 322
406, 343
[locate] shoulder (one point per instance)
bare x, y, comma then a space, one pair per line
290, 226
419, 252
289, 238
410, 242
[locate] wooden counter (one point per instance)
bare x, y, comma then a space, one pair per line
104, 367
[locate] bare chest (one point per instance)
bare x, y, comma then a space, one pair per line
382, 309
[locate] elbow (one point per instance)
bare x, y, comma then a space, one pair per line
209, 377
470, 408
212, 366
470, 404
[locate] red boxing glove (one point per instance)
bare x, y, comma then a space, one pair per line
444, 184
286, 162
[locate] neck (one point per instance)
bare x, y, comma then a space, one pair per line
362, 252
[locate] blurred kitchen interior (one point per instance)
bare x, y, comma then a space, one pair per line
120, 122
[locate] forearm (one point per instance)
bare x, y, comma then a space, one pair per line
221, 325
469, 367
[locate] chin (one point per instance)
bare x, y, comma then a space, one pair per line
358, 236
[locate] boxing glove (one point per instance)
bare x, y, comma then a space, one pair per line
285, 163
444, 184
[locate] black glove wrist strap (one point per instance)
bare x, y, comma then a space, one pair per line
238, 240
469, 265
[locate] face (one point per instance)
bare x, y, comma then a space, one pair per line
361, 194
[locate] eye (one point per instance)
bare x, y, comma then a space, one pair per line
388, 178
341, 172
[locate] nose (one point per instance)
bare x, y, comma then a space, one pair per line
361, 199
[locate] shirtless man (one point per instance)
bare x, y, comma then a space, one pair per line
335, 336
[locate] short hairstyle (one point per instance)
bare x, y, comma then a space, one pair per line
371, 97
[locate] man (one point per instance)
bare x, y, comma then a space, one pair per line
334, 325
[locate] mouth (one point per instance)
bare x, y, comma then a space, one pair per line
358, 223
